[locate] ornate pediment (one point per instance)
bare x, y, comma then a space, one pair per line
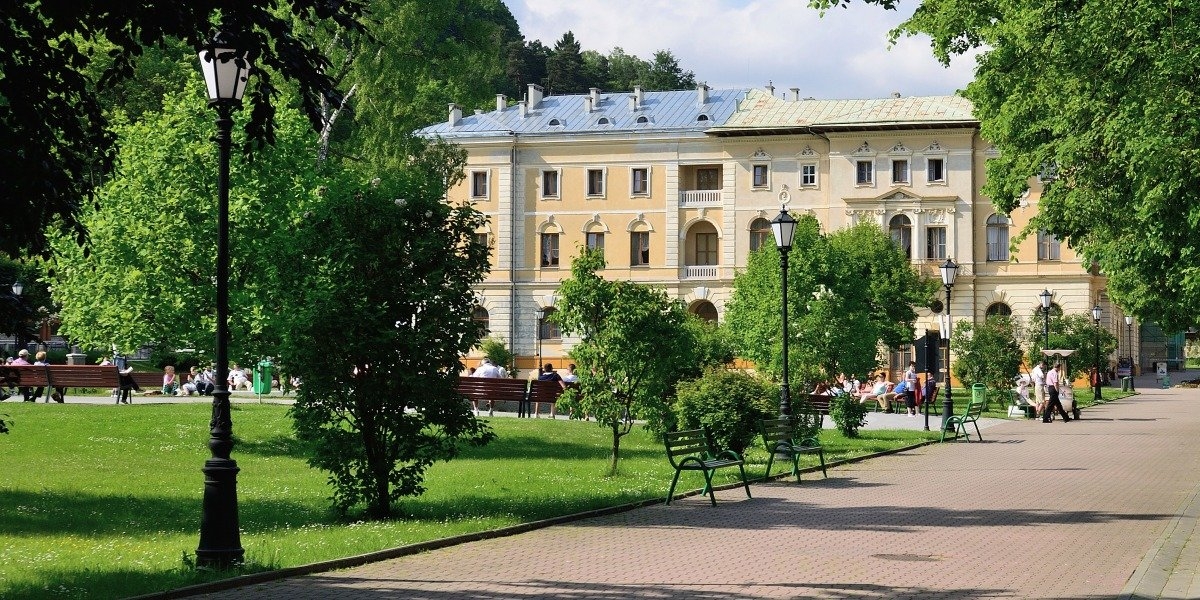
934, 148
760, 154
900, 148
864, 150
807, 152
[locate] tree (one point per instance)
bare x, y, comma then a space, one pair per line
988, 353
848, 293
1071, 332
146, 276
56, 144
1105, 94
666, 74
633, 340
625, 70
565, 68
497, 352
384, 272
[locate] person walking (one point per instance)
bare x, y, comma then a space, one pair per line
1038, 376
1053, 380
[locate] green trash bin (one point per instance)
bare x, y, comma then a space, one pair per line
1126, 383
262, 377
979, 393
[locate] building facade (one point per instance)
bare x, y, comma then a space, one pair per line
679, 187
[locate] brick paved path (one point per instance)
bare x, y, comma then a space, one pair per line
1100, 508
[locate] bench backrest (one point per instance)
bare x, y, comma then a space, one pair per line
975, 407
775, 431
152, 381
492, 388
818, 403
545, 391
24, 375
91, 376
689, 442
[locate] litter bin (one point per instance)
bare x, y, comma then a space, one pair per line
262, 377
1126, 383
979, 393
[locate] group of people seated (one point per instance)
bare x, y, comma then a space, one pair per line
889, 396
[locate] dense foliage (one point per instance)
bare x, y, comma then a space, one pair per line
988, 352
1104, 96
729, 403
1076, 332
848, 414
393, 297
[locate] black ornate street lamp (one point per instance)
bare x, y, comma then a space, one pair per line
1045, 297
226, 69
784, 228
1129, 337
1096, 313
949, 272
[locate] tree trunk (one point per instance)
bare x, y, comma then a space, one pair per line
379, 506
616, 450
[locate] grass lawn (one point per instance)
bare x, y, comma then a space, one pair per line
103, 501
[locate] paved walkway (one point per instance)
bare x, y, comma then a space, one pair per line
1104, 507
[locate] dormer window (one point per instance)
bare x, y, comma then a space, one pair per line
603, 121
642, 120
702, 118
555, 123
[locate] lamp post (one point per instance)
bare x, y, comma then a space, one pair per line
949, 272
225, 69
1045, 297
1129, 337
17, 289
784, 228
1096, 384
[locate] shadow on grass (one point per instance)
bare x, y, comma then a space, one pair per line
115, 583
30, 513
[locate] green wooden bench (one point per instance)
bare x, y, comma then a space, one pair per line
970, 415
777, 436
693, 450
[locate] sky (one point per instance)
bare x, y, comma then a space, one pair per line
746, 43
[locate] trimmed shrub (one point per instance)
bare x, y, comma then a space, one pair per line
729, 403
848, 414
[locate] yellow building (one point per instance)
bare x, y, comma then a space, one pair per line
678, 188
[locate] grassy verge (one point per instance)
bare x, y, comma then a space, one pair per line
104, 501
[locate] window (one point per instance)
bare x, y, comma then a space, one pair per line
760, 234
808, 175
997, 238
595, 182
706, 248
864, 172
935, 242
761, 176
1048, 246
639, 181
935, 170
642, 120
998, 309
549, 249
480, 317
708, 178
549, 184
481, 238
546, 329
479, 184
639, 248
705, 310
595, 241
901, 230
900, 171
555, 123
603, 121
702, 118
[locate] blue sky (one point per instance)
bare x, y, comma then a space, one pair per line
736, 43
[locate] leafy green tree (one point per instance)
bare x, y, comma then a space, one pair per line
729, 403
1103, 92
57, 141
497, 352
377, 304
666, 74
565, 67
848, 293
146, 277
633, 339
1072, 332
625, 70
988, 353
20, 316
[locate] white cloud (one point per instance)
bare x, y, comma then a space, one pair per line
732, 43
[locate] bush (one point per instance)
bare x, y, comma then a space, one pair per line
729, 403
848, 414
495, 350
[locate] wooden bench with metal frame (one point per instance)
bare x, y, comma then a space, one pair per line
492, 390
694, 450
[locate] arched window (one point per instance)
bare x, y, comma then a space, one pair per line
760, 234
546, 329
705, 310
997, 238
603, 121
555, 122
642, 120
901, 229
702, 118
998, 309
480, 317
704, 246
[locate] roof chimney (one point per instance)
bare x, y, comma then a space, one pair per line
702, 94
535, 96
770, 88
522, 107
501, 102
479, 111
455, 115
595, 93
633, 103
895, 94
637, 93
587, 104
795, 94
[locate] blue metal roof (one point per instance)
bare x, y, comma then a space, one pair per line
660, 111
